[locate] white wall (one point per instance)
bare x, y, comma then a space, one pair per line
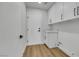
42, 15
12, 17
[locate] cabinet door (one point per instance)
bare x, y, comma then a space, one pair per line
69, 11
59, 11
77, 5
55, 12
51, 38
51, 14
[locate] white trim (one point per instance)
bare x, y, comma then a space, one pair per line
67, 52
51, 31
23, 49
65, 20
34, 44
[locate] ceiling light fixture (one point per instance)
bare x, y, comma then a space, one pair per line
39, 2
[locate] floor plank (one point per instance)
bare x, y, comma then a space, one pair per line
43, 51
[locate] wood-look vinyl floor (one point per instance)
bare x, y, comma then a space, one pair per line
43, 51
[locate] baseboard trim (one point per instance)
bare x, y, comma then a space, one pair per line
25, 46
46, 45
67, 52
63, 52
34, 44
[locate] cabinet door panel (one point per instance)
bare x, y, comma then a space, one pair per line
51, 39
55, 12
69, 10
51, 14
77, 8
59, 11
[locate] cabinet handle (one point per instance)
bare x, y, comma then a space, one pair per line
78, 10
50, 20
61, 16
74, 11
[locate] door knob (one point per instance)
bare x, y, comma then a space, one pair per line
38, 29
21, 36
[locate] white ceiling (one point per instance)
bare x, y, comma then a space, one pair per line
43, 5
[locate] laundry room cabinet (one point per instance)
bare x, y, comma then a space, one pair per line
59, 11
55, 13
77, 4
63, 11
51, 39
69, 10
51, 14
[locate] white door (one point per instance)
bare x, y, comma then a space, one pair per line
12, 16
34, 24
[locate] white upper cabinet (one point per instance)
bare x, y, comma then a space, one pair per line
59, 11
77, 4
51, 14
63, 11
55, 13
69, 10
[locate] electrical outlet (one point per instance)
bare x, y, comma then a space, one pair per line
73, 54
58, 44
27, 17
45, 37
27, 41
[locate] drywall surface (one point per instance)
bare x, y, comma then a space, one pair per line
39, 17
12, 17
